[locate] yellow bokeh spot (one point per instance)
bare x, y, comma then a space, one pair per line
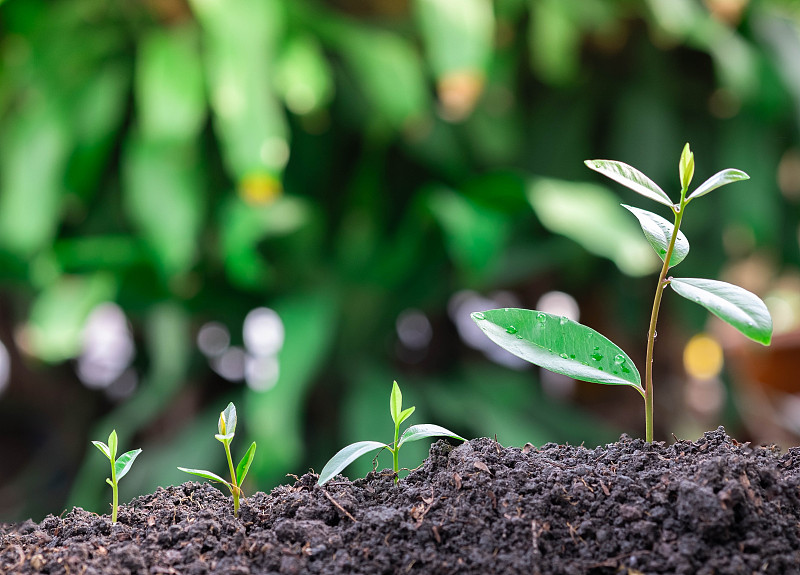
260, 189
702, 357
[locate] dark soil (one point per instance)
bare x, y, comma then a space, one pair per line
714, 506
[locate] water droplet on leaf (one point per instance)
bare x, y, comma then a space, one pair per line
596, 355
564, 356
511, 329
478, 315
563, 320
541, 317
619, 359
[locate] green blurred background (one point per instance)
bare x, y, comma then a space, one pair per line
288, 204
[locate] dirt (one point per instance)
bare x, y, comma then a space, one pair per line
711, 506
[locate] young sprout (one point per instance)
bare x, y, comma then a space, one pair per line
564, 346
119, 467
227, 429
348, 454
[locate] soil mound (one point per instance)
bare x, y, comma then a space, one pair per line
711, 506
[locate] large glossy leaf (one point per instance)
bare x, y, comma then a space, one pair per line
732, 304
125, 462
658, 232
346, 456
417, 432
244, 464
559, 345
630, 177
719, 179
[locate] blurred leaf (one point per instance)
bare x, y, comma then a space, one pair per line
554, 41
245, 225
475, 236
54, 331
170, 95
303, 76
164, 198
241, 38
33, 153
96, 112
459, 40
389, 72
591, 216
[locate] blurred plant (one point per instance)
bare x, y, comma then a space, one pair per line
569, 348
347, 455
227, 429
119, 467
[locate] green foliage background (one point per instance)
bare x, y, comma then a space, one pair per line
340, 162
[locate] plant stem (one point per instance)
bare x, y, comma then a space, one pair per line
395, 454
235, 491
651, 332
114, 493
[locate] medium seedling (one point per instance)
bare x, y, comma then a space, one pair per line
349, 454
227, 429
567, 347
119, 467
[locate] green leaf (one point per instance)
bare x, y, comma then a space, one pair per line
346, 456
227, 421
686, 167
559, 345
396, 403
719, 179
204, 474
244, 464
224, 438
658, 232
417, 432
732, 304
112, 444
405, 414
630, 177
125, 462
103, 448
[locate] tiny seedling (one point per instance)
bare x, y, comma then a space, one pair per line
349, 454
567, 347
119, 467
227, 429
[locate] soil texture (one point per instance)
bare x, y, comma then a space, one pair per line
714, 506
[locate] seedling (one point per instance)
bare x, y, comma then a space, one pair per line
349, 454
119, 467
227, 429
567, 347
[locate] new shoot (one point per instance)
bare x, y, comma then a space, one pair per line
119, 467
349, 454
564, 346
227, 429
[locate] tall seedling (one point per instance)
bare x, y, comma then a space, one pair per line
567, 347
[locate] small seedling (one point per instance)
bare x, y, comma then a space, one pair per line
119, 467
227, 429
349, 454
567, 347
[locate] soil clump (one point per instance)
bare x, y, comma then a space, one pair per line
714, 506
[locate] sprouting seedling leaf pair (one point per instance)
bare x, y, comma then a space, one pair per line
567, 347
349, 454
119, 467
227, 429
